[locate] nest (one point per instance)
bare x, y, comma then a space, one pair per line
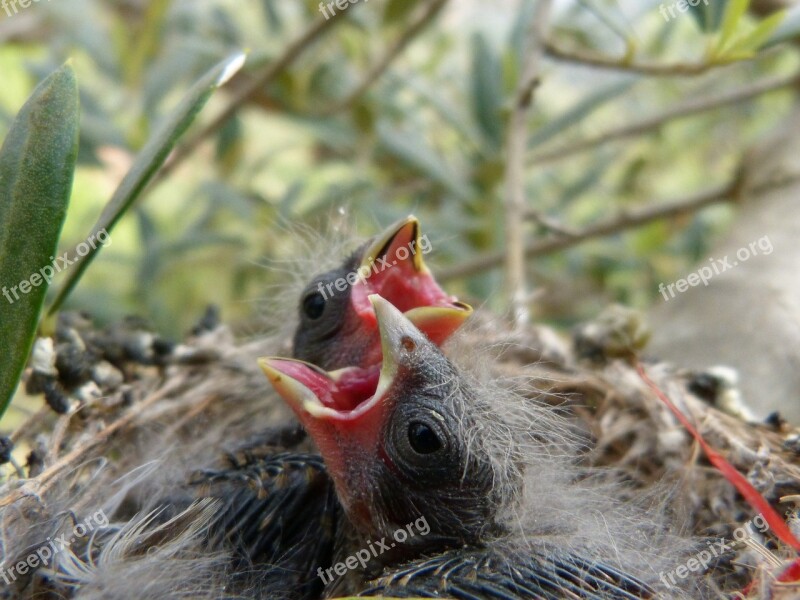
122, 397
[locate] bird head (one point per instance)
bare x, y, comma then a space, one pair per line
397, 442
337, 323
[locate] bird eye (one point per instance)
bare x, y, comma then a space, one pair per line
423, 439
313, 305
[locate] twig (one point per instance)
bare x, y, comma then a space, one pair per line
548, 223
250, 89
628, 65
32, 422
683, 110
625, 221
41, 483
392, 52
191, 414
57, 438
515, 209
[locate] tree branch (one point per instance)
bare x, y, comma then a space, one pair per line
622, 222
249, 90
626, 64
683, 110
517, 140
391, 53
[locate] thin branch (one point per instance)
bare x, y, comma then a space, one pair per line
392, 52
548, 223
683, 110
622, 222
41, 483
626, 63
515, 205
249, 90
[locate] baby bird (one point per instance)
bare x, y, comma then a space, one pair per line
507, 514
337, 325
278, 507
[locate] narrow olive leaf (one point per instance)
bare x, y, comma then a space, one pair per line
581, 111
146, 165
734, 12
707, 14
754, 40
616, 22
487, 91
413, 151
37, 162
397, 10
789, 29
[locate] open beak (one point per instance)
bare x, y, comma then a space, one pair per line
345, 411
351, 394
392, 266
405, 233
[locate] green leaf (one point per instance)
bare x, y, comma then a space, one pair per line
580, 111
149, 161
273, 15
756, 38
37, 162
616, 22
487, 91
734, 12
398, 10
412, 150
708, 14
446, 110
788, 29
516, 38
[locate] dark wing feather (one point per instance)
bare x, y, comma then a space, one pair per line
279, 515
482, 574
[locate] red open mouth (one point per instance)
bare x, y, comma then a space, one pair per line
346, 395
345, 411
339, 395
393, 268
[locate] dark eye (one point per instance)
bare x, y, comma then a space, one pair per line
313, 305
423, 439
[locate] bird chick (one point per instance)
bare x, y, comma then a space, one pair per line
277, 506
509, 515
337, 326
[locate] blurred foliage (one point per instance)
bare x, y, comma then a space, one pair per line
428, 137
